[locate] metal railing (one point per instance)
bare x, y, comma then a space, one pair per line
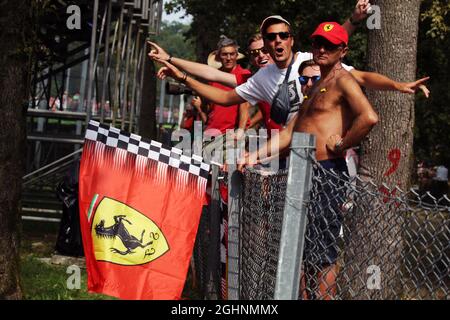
39, 200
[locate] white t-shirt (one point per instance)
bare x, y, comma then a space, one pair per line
264, 84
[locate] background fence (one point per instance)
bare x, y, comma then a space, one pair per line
316, 233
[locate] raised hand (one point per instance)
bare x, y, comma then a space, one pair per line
158, 53
197, 103
169, 70
361, 10
412, 87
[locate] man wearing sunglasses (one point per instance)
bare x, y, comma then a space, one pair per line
260, 58
307, 82
309, 74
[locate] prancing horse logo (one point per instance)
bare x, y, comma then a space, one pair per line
328, 27
125, 236
119, 230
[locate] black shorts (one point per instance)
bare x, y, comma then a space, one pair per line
324, 214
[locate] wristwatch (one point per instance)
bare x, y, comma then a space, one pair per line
338, 145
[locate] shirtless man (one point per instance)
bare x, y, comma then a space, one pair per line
337, 104
340, 116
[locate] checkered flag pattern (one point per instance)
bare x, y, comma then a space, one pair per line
134, 144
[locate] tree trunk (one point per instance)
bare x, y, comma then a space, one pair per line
14, 88
147, 117
375, 234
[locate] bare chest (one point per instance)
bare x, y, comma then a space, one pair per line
322, 100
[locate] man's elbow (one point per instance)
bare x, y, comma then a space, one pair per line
372, 119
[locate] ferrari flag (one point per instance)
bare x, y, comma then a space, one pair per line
140, 206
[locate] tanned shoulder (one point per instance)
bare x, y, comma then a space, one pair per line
346, 82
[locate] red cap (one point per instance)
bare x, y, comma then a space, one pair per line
333, 32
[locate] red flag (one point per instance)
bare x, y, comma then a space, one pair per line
140, 206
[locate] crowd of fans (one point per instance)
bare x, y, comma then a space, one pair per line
73, 103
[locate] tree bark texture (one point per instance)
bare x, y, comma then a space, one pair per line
375, 230
14, 88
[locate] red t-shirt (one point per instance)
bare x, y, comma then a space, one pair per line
226, 117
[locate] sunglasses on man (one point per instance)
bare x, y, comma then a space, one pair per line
327, 45
305, 79
273, 35
255, 52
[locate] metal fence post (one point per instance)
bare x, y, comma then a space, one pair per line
294, 217
234, 211
213, 260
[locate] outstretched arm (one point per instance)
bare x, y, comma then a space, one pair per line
358, 15
213, 94
196, 69
376, 81
275, 145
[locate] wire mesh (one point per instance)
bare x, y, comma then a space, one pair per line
261, 222
362, 241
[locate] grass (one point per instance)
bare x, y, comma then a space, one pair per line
42, 281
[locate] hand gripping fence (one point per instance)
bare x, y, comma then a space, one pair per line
312, 232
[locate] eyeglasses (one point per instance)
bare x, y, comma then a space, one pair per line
273, 35
305, 79
255, 52
327, 45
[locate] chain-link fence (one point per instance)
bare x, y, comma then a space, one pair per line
261, 223
363, 241
321, 234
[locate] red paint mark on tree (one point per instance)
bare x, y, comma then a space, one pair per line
389, 195
394, 157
